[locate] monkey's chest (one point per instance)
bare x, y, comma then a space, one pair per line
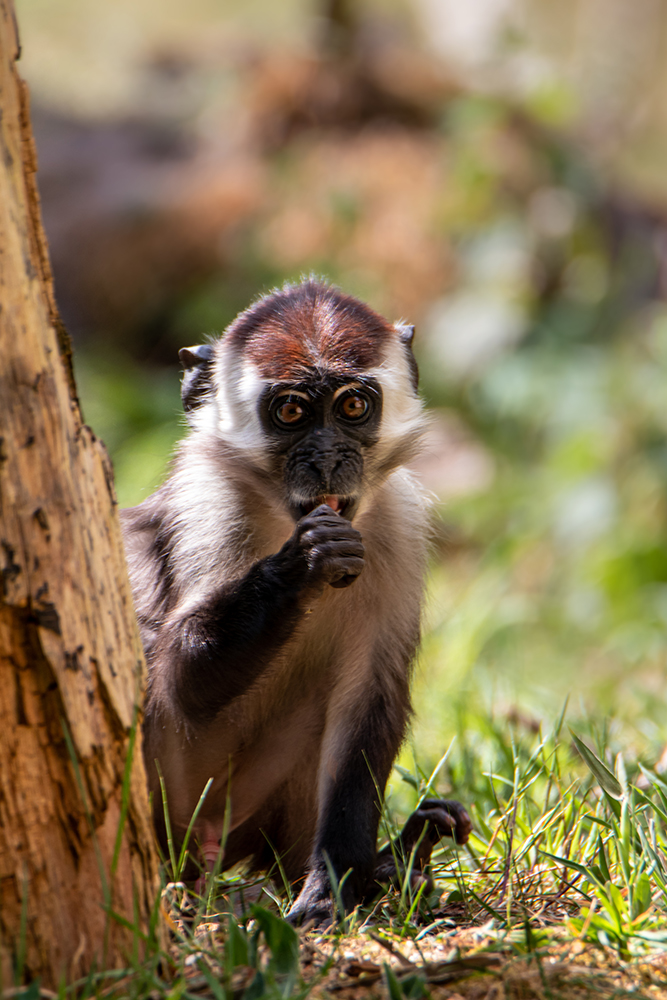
275, 732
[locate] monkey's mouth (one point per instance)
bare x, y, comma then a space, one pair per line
341, 505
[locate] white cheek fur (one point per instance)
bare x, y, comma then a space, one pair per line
402, 412
239, 387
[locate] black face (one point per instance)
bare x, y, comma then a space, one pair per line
319, 432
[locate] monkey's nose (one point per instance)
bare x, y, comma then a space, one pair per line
324, 465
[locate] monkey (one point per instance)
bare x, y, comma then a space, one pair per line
277, 576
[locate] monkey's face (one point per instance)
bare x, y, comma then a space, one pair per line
312, 393
319, 432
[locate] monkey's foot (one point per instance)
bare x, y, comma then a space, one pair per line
442, 818
434, 819
318, 915
314, 905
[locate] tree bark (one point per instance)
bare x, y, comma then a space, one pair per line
75, 838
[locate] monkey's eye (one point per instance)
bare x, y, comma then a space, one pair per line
290, 411
353, 406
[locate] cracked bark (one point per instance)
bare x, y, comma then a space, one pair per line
70, 656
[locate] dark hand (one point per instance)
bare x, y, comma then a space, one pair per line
326, 548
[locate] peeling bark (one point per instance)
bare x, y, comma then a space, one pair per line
70, 655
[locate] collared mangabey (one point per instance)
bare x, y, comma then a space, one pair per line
277, 577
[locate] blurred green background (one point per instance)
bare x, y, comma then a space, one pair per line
492, 171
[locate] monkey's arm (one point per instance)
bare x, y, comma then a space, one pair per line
216, 652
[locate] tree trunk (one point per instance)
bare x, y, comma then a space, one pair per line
75, 834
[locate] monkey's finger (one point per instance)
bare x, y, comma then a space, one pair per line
460, 814
334, 548
463, 827
337, 554
336, 570
450, 819
442, 823
344, 581
322, 515
330, 506
334, 527
419, 879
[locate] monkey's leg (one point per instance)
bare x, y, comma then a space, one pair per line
347, 829
435, 818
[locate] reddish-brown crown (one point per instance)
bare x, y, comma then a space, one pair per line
309, 327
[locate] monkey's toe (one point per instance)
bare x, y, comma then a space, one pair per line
318, 915
388, 872
447, 818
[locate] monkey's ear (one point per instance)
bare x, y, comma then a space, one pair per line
406, 333
196, 378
